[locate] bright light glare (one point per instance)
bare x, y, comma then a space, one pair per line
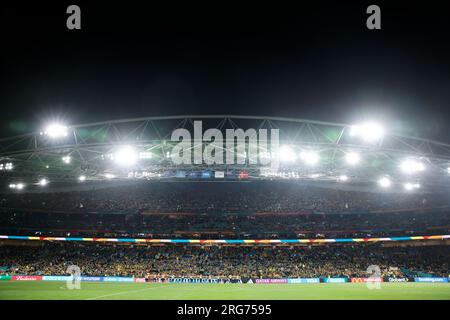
286, 154
66, 159
43, 182
82, 178
384, 182
20, 186
145, 155
343, 178
448, 170
411, 166
56, 130
408, 186
368, 131
126, 156
411, 186
7, 166
109, 176
352, 158
309, 157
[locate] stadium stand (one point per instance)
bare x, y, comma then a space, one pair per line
200, 210
224, 211
224, 261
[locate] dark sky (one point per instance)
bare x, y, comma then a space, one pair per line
217, 57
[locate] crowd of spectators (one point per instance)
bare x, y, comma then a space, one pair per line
220, 225
224, 261
263, 196
266, 209
257, 210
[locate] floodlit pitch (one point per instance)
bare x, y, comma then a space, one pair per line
162, 291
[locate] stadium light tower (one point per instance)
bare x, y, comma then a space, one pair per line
384, 182
55, 130
310, 157
368, 131
286, 154
410, 166
352, 158
125, 156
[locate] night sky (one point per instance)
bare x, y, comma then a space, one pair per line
316, 62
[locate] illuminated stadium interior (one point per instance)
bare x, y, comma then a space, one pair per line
208, 151
365, 155
116, 179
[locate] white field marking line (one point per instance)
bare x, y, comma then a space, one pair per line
124, 292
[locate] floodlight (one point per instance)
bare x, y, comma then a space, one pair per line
343, 178
82, 178
448, 170
309, 157
352, 158
286, 154
43, 182
368, 131
408, 186
125, 156
6, 166
145, 155
66, 159
56, 130
411, 186
109, 176
410, 166
18, 186
384, 182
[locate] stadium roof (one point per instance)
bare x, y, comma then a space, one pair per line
86, 151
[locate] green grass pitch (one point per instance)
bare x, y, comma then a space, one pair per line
136, 291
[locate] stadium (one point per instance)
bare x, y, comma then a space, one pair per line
197, 151
319, 211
